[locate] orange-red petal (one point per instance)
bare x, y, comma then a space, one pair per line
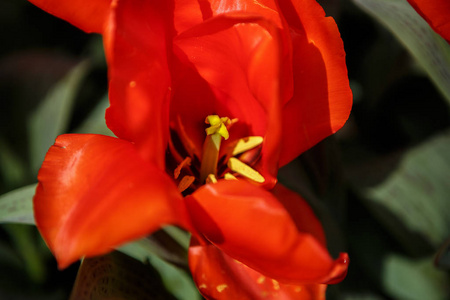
219, 276
188, 13
89, 16
249, 224
136, 43
436, 13
322, 98
300, 211
96, 192
238, 56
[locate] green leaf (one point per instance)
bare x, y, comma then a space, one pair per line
17, 206
413, 280
431, 50
52, 117
117, 276
417, 192
12, 168
26, 245
95, 122
175, 279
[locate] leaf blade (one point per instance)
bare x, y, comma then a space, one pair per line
17, 206
52, 117
430, 50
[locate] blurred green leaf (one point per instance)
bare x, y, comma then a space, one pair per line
359, 296
442, 259
12, 168
417, 192
413, 280
95, 122
175, 279
431, 51
181, 236
117, 276
17, 206
23, 238
52, 117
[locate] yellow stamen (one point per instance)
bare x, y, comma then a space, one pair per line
246, 144
185, 183
229, 176
239, 167
185, 162
211, 179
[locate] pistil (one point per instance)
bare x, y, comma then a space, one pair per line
211, 147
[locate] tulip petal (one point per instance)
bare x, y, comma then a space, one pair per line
322, 97
89, 16
136, 49
436, 13
189, 13
300, 211
249, 224
96, 192
238, 56
218, 276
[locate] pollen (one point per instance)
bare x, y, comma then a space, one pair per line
221, 287
276, 285
245, 170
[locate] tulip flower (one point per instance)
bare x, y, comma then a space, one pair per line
436, 13
207, 100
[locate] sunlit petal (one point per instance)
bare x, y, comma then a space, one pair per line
96, 192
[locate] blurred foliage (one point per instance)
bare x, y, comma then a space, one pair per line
379, 185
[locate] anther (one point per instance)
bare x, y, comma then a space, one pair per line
245, 170
245, 144
211, 179
185, 183
185, 163
229, 176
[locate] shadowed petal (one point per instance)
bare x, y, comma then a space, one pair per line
136, 49
218, 276
96, 192
322, 97
251, 225
89, 16
436, 13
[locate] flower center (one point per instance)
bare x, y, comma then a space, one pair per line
215, 162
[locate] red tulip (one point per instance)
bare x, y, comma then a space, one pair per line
270, 79
436, 13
